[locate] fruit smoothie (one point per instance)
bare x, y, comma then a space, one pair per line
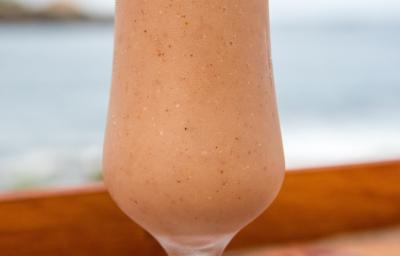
193, 145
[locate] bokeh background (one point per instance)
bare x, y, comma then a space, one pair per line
337, 72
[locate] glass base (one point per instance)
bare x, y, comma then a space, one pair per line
195, 246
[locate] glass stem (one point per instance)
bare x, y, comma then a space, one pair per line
197, 254
212, 246
217, 252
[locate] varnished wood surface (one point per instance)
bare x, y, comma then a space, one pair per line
370, 243
323, 201
313, 203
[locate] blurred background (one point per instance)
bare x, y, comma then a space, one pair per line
337, 71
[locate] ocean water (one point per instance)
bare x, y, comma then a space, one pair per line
338, 87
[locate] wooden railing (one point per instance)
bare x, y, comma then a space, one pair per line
313, 203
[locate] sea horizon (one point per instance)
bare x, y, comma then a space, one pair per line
337, 86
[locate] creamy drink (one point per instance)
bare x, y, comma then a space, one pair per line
193, 148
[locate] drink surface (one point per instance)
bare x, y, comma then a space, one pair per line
193, 144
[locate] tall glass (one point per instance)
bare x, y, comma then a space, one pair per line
193, 148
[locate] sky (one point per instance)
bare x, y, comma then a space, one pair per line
92, 6
349, 9
285, 9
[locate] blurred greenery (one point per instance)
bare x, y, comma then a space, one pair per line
57, 10
96, 176
10, 8
29, 181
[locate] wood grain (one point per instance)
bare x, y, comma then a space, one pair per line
313, 203
324, 201
368, 243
